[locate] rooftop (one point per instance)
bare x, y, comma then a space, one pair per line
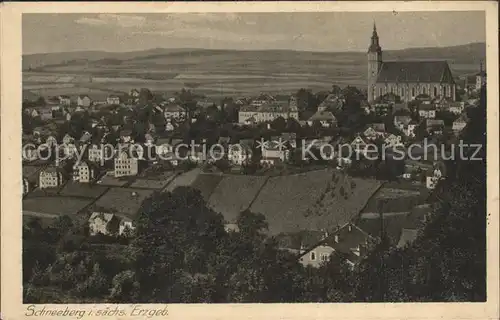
415, 71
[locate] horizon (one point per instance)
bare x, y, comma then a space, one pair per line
291, 31
250, 50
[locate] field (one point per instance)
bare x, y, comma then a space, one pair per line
126, 201
75, 189
218, 73
234, 194
53, 205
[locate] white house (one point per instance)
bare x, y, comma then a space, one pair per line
112, 99
50, 178
84, 101
239, 154
64, 100
83, 172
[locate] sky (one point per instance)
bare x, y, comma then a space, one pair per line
307, 31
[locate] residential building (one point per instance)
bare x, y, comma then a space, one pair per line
45, 114
326, 118
434, 126
64, 100
273, 152
262, 100
51, 141
103, 223
401, 121
70, 150
427, 111
406, 79
359, 145
239, 154
84, 172
460, 123
409, 129
126, 136
374, 131
50, 177
174, 111
126, 164
86, 137
393, 141
126, 227
349, 241
266, 113
67, 139
112, 99
480, 78
84, 101
382, 109
456, 107
333, 102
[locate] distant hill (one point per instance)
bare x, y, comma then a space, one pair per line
463, 54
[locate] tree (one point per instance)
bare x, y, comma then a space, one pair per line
145, 96
279, 124
251, 224
169, 227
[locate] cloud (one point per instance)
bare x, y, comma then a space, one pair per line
117, 20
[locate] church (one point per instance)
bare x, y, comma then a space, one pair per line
406, 79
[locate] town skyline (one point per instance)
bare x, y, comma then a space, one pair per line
48, 33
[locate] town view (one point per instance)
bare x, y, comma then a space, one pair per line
222, 174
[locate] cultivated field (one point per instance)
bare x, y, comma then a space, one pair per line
218, 72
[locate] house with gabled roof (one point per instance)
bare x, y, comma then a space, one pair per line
460, 123
64, 100
84, 101
326, 118
349, 241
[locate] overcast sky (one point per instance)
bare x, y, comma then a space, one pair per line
331, 31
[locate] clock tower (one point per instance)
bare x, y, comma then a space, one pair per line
374, 63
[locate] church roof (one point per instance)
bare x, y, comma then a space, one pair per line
415, 71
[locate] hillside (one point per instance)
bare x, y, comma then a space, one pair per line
469, 53
217, 73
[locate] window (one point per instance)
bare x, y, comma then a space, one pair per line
413, 92
402, 92
435, 91
313, 256
424, 91
444, 92
380, 92
324, 257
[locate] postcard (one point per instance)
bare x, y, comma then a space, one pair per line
282, 160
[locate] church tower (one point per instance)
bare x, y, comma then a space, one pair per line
374, 63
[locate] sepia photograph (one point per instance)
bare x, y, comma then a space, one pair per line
252, 157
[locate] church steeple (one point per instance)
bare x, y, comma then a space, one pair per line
374, 45
374, 56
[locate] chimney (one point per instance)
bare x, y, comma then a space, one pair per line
336, 238
350, 227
